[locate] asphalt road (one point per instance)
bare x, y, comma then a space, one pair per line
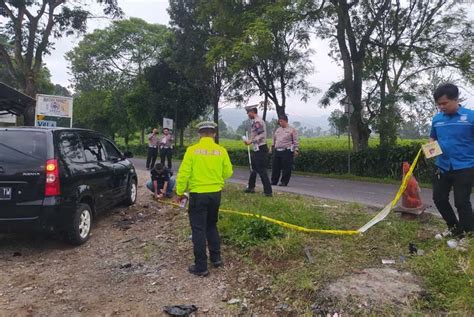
366, 193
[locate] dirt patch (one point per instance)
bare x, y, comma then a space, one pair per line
368, 289
135, 262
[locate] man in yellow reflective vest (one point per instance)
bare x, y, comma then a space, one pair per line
204, 168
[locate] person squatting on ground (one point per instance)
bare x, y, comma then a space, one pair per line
453, 128
166, 147
152, 149
259, 152
162, 182
284, 149
204, 168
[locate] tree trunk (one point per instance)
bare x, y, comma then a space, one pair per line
30, 89
387, 118
142, 136
216, 117
359, 129
265, 108
181, 137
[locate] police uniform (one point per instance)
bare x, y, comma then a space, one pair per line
258, 154
455, 167
166, 149
152, 150
285, 143
203, 170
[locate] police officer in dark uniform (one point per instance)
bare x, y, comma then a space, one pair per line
259, 152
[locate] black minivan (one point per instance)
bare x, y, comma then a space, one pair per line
59, 179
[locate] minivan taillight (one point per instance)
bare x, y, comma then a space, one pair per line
52, 187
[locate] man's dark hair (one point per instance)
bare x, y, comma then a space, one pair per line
283, 117
166, 129
253, 110
158, 167
449, 90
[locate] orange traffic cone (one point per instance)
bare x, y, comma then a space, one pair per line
412, 205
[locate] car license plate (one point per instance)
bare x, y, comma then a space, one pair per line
5, 193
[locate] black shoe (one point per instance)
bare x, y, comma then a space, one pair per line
249, 190
282, 185
269, 195
217, 263
192, 270
274, 184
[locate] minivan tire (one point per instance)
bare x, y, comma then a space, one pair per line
81, 224
132, 192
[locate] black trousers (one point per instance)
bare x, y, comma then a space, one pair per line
203, 216
461, 181
151, 157
259, 161
282, 164
166, 154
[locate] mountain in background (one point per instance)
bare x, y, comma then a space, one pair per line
234, 118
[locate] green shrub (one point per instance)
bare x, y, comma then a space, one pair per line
246, 232
372, 162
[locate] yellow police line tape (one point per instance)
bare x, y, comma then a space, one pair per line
379, 217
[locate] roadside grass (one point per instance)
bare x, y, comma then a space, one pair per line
447, 275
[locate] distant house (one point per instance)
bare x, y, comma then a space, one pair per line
12, 104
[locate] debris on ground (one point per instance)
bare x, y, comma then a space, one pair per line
180, 310
233, 301
370, 288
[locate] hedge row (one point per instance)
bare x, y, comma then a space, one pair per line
373, 162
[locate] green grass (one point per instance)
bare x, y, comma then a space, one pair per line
320, 143
447, 275
328, 143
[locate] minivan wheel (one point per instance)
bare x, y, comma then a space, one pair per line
131, 192
80, 227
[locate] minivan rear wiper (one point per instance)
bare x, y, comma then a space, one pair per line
21, 152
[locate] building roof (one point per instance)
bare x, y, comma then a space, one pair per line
12, 101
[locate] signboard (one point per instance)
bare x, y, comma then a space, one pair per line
53, 111
168, 124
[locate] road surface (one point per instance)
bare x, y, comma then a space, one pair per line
366, 193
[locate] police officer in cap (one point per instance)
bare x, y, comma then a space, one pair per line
259, 153
203, 170
284, 148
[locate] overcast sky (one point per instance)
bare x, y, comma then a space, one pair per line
154, 11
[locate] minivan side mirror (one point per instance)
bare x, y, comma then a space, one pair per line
128, 154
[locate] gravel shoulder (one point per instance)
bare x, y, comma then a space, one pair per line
135, 262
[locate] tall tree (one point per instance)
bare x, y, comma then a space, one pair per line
349, 26
413, 38
191, 25
28, 34
113, 60
266, 47
175, 96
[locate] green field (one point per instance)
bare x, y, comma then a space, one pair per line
328, 143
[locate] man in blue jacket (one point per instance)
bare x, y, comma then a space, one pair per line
453, 128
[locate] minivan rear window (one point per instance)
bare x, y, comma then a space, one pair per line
20, 146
